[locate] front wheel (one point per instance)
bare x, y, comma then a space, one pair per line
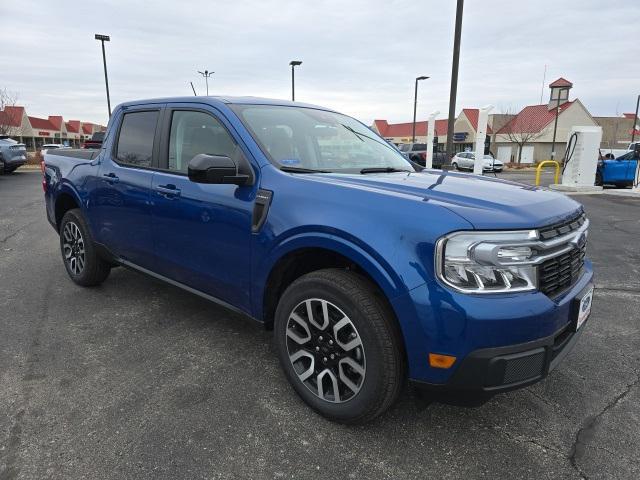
81, 260
339, 345
454, 165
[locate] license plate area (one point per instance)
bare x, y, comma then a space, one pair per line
582, 307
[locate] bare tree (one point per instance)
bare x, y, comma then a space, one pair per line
7, 120
520, 131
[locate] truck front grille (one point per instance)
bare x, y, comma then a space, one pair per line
559, 273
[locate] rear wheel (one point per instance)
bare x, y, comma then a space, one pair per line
339, 345
454, 165
81, 260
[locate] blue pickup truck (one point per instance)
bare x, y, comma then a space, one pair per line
620, 172
370, 270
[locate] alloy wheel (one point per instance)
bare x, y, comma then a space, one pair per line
325, 350
73, 248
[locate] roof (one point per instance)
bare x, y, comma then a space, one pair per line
561, 82
73, 126
472, 114
533, 119
216, 100
630, 116
87, 128
12, 116
56, 121
42, 123
406, 129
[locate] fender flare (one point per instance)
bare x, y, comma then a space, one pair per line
374, 265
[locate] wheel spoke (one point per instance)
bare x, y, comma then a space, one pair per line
334, 385
312, 318
293, 335
355, 338
303, 354
343, 376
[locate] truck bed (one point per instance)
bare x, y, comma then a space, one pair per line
78, 153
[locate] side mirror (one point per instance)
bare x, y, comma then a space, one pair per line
215, 169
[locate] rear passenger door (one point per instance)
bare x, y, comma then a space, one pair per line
202, 231
120, 210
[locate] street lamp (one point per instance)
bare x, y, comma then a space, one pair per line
102, 39
415, 105
293, 63
635, 121
206, 74
454, 79
555, 123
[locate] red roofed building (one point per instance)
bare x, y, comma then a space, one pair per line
35, 131
465, 128
527, 137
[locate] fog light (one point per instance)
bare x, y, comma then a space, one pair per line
437, 360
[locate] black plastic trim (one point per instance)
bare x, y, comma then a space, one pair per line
260, 209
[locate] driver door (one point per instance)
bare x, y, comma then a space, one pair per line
202, 232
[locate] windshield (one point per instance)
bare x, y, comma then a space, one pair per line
306, 138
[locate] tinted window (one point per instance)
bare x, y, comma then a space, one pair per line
193, 133
419, 146
135, 142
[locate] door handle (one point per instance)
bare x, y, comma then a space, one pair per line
111, 177
168, 190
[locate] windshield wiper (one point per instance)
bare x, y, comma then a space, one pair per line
383, 170
301, 170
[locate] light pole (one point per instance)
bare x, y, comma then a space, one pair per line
206, 74
102, 39
293, 63
555, 122
415, 106
635, 121
454, 79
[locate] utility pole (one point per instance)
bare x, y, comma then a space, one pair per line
206, 74
102, 39
293, 63
454, 79
415, 106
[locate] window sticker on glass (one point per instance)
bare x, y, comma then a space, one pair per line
290, 161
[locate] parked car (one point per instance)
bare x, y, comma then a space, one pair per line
466, 161
417, 152
12, 154
51, 146
619, 172
95, 141
301, 218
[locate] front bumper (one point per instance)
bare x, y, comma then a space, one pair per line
501, 342
500, 369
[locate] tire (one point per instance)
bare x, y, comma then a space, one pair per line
81, 260
598, 179
8, 170
359, 330
454, 165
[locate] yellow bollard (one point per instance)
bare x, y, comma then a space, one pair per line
542, 164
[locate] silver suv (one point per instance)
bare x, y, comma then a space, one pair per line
12, 154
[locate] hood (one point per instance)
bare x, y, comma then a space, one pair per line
485, 202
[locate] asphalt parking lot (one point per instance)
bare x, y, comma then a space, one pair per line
137, 379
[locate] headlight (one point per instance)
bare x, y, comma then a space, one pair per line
487, 262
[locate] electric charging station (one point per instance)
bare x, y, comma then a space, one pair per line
580, 160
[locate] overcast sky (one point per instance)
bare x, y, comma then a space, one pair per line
359, 57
